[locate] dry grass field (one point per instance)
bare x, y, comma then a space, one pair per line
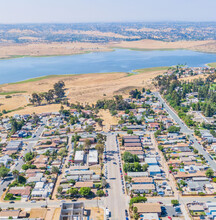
108, 119
66, 48
162, 45
84, 88
191, 78
49, 49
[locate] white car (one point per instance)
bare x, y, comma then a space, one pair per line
107, 212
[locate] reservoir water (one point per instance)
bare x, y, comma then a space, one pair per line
120, 60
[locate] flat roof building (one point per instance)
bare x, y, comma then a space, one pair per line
93, 157
71, 211
79, 157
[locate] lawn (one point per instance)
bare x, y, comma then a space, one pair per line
15, 198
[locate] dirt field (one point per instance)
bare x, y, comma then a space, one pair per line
51, 49
56, 214
161, 45
86, 88
54, 49
38, 213
108, 119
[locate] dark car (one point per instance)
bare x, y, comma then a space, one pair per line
11, 202
126, 213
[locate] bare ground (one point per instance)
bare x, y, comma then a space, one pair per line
49, 49
67, 48
162, 45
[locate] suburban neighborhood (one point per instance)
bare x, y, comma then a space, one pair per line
156, 162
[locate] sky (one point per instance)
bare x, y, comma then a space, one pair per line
69, 11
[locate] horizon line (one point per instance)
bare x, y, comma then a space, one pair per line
96, 22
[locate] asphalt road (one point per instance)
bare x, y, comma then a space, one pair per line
116, 201
50, 203
187, 131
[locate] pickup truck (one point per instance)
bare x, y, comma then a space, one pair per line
107, 213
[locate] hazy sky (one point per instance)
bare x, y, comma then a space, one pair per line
32, 11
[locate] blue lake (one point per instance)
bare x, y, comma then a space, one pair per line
120, 60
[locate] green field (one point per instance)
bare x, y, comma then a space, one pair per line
146, 70
212, 65
12, 92
37, 79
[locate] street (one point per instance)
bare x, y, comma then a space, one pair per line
116, 201
187, 131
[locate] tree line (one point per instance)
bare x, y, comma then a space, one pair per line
54, 95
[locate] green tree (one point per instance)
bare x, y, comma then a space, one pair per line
59, 189
63, 152
137, 199
87, 145
209, 173
100, 193
173, 129
29, 156
197, 133
4, 171
100, 148
55, 169
145, 167
129, 131
15, 173
130, 158
85, 191
73, 191
174, 202
9, 196
209, 110
21, 179
25, 167
59, 89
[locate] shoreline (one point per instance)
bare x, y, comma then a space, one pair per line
211, 65
127, 74
108, 49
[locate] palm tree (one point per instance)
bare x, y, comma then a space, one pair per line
87, 145
15, 173
100, 150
